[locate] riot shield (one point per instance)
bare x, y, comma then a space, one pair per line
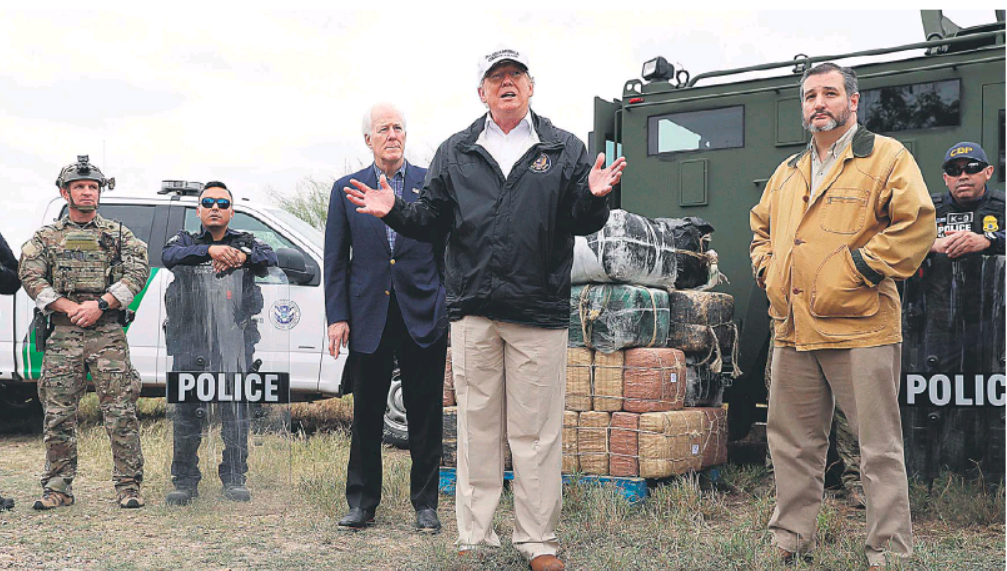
953, 392
228, 386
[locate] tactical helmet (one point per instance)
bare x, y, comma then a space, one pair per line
83, 170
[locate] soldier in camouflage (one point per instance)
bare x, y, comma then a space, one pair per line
83, 272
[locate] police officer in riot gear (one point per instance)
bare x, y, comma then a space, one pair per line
83, 272
218, 247
970, 215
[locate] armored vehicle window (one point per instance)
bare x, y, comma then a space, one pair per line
906, 107
696, 130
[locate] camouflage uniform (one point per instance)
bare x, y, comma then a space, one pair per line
847, 444
82, 262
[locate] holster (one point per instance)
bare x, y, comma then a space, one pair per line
42, 327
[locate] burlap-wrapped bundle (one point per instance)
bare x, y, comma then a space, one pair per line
671, 442
714, 436
449, 424
571, 461
624, 445
592, 442
578, 378
653, 380
608, 318
608, 369
449, 381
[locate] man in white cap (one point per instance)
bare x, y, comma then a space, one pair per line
510, 192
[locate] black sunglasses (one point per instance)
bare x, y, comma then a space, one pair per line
222, 203
970, 168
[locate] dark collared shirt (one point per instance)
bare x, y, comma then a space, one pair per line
192, 249
983, 216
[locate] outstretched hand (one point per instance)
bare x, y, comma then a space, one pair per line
374, 201
601, 181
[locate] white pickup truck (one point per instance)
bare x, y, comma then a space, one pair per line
155, 218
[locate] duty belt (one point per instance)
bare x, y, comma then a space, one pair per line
110, 316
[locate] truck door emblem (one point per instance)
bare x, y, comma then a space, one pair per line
284, 314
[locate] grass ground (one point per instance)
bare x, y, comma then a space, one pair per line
297, 487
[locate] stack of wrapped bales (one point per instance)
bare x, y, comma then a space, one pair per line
643, 347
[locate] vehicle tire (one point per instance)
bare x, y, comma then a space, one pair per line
396, 432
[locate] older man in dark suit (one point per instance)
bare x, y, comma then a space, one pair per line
387, 300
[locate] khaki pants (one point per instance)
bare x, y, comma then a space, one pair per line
865, 381
510, 382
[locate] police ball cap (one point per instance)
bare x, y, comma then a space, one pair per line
965, 150
499, 55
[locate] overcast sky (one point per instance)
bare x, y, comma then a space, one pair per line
264, 99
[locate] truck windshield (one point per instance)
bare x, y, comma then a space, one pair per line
307, 230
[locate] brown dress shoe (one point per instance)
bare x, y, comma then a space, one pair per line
547, 563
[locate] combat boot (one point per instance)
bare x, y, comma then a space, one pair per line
237, 492
181, 496
6, 503
130, 498
52, 499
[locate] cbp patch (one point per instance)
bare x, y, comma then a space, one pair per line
542, 164
990, 224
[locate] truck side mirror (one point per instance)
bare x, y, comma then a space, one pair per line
292, 263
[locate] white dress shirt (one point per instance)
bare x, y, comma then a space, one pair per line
507, 148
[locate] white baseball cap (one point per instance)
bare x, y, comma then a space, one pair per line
498, 55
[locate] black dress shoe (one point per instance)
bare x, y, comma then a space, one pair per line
356, 520
427, 521
6, 503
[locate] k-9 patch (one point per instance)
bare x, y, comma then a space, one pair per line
957, 221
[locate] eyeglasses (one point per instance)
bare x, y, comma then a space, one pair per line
497, 77
954, 169
221, 203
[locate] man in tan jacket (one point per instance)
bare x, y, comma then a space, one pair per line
837, 224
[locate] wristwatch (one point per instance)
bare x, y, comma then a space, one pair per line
992, 237
102, 304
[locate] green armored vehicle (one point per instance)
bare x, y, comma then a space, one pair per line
707, 149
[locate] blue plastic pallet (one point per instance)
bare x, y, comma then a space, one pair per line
633, 489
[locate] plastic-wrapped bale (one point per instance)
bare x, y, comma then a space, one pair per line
714, 436
629, 249
704, 387
624, 445
608, 370
449, 381
571, 460
608, 318
449, 425
654, 380
671, 442
592, 442
579, 361
662, 252
696, 264
701, 324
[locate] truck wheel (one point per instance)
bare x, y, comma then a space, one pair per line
396, 432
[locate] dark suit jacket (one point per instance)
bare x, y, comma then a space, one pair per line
357, 289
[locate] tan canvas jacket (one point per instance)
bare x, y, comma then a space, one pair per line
829, 264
